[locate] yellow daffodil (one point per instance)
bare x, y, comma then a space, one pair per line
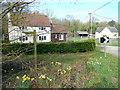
49, 79
59, 63
17, 77
32, 79
42, 76
24, 76
59, 70
100, 57
64, 71
69, 68
24, 80
27, 78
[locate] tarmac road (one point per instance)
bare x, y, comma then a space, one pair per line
114, 50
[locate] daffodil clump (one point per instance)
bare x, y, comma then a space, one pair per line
44, 80
25, 78
94, 61
56, 64
24, 81
45, 77
61, 72
68, 69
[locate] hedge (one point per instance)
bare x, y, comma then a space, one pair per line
65, 47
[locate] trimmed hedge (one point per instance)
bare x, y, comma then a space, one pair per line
66, 47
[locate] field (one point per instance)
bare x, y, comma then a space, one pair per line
70, 70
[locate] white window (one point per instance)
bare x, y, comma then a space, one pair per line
55, 35
24, 38
22, 27
61, 37
42, 28
42, 37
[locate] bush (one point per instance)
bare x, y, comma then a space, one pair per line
66, 47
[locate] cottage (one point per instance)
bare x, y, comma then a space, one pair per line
110, 32
58, 33
83, 34
19, 23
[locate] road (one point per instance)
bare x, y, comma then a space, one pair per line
114, 50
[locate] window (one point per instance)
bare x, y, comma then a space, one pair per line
42, 28
42, 37
39, 37
24, 38
61, 37
20, 28
55, 35
39, 28
23, 27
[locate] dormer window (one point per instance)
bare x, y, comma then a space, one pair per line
22, 27
42, 28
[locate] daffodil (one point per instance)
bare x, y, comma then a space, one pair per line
64, 71
59, 70
17, 77
49, 79
32, 79
42, 76
52, 62
24, 76
69, 68
100, 57
24, 80
27, 78
59, 63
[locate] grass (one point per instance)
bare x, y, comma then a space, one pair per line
112, 42
75, 39
83, 74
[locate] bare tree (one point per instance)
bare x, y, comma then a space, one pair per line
18, 6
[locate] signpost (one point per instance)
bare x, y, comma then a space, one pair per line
35, 47
104, 40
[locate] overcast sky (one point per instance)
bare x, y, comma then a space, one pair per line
79, 9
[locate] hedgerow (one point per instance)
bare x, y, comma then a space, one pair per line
65, 47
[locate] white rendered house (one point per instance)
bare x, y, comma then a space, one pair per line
110, 32
20, 23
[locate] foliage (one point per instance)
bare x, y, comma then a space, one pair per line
66, 47
71, 70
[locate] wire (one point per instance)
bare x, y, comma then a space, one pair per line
104, 17
84, 19
101, 6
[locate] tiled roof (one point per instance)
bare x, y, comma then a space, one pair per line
58, 28
112, 29
24, 19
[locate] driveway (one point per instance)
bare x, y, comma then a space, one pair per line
114, 50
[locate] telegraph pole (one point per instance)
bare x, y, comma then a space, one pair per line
90, 25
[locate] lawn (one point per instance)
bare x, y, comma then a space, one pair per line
77, 70
75, 39
112, 42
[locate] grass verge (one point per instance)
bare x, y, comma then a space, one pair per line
89, 70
